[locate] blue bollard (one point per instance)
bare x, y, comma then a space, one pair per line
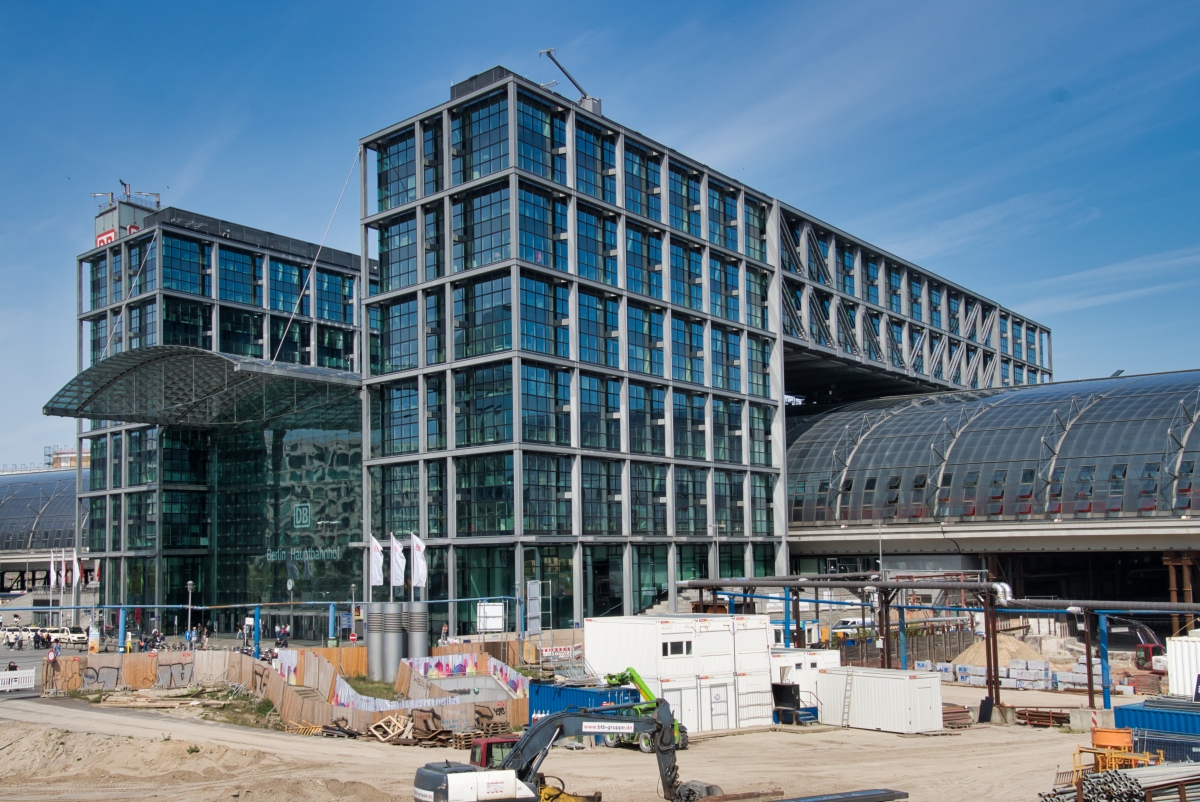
257, 632
121, 631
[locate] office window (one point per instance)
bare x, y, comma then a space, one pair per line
845, 268
484, 488
647, 419
1016, 340
645, 340
95, 512
290, 341
597, 235
684, 189
400, 407
335, 348
600, 484
187, 323
435, 411
599, 329
722, 215
98, 337
483, 315
687, 350
915, 306
542, 221
483, 404
761, 418
871, 281
142, 459
335, 297
481, 234
143, 263
116, 339
541, 138
241, 333
648, 498
599, 412
396, 170
643, 261
187, 265
756, 229
935, 306
141, 521
98, 271
687, 277
726, 359
760, 367
435, 501
689, 425
117, 275
691, 501
435, 327
98, 475
241, 277
762, 494
954, 303
143, 324
547, 498
545, 316
479, 137
643, 182
432, 148
894, 282
402, 499
758, 286
727, 429
545, 404
289, 287
399, 339
729, 490
723, 285
595, 159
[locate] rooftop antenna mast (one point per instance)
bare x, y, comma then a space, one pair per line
588, 102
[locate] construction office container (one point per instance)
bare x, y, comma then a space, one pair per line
880, 699
714, 671
1183, 664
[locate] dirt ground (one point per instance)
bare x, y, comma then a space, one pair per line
68, 749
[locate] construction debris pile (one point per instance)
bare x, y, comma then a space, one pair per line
1172, 781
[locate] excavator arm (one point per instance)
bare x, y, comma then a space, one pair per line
630, 677
528, 753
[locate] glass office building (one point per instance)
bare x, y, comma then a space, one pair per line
583, 346
219, 400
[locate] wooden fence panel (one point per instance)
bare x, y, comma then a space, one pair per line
139, 671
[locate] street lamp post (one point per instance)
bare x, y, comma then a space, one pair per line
190, 587
353, 588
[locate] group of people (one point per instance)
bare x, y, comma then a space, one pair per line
282, 633
16, 640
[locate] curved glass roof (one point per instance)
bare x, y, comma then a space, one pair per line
1119, 447
181, 386
37, 510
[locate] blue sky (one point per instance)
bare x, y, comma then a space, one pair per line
1046, 155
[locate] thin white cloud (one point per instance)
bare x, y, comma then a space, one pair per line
1153, 274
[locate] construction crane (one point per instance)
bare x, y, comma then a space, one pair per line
518, 778
586, 101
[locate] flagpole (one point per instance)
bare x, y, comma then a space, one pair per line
412, 586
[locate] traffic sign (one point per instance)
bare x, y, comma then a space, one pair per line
353, 637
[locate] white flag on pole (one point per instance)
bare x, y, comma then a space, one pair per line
420, 571
376, 562
53, 575
397, 562
76, 574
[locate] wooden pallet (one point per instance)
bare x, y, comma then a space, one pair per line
433, 738
956, 717
390, 729
490, 729
464, 740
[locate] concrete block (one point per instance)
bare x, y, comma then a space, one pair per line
1083, 720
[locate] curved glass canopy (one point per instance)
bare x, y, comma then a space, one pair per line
37, 510
181, 386
1118, 447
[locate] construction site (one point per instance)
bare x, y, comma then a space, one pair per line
911, 686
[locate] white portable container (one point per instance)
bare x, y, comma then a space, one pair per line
881, 699
714, 671
1183, 665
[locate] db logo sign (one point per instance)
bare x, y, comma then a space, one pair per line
106, 238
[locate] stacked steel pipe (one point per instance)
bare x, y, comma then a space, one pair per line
1167, 781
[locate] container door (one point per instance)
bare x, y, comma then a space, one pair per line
923, 715
683, 707
718, 706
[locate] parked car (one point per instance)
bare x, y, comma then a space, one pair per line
851, 626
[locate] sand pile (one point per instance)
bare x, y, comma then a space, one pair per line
1007, 647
